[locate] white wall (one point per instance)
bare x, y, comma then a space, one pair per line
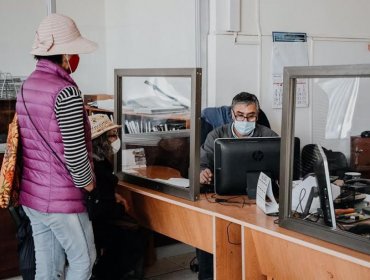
334, 18
247, 63
232, 69
149, 34
18, 21
130, 34
89, 16
163, 33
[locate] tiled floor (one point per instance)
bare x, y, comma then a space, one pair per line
173, 263
171, 268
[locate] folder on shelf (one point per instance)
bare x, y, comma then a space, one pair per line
160, 110
107, 104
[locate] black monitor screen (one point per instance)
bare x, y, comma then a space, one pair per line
239, 162
323, 184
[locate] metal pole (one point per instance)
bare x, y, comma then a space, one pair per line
51, 6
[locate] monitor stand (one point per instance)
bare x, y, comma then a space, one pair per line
252, 181
313, 193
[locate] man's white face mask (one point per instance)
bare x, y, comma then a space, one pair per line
244, 127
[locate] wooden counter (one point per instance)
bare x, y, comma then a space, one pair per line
245, 242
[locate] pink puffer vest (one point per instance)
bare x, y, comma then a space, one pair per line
46, 184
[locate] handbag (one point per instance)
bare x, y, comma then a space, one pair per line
11, 167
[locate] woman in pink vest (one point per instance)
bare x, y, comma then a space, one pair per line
57, 162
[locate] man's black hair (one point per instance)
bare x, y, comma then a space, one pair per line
247, 98
57, 59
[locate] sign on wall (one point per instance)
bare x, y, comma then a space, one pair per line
289, 49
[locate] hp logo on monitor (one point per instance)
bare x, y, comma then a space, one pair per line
258, 155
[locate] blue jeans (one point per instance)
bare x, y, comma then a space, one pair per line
57, 236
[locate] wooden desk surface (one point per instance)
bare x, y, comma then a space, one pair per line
162, 172
264, 247
249, 216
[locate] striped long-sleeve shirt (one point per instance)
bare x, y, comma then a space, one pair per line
69, 110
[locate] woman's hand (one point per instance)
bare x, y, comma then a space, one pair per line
90, 187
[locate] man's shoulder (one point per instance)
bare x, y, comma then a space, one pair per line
222, 131
264, 131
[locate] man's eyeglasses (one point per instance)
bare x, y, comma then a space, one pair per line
250, 118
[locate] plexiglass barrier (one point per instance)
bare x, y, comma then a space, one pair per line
331, 200
159, 111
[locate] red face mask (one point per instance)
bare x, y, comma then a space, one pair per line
73, 63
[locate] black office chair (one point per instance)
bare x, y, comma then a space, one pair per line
337, 161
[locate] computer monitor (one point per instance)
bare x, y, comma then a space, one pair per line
238, 163
321, 170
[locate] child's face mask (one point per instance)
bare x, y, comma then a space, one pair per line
116, 145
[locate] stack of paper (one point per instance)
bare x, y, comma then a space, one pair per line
133, 158
264, 188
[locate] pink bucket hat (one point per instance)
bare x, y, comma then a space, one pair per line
100, 123
58, 34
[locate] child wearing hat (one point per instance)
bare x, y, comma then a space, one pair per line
116, 247
105, 143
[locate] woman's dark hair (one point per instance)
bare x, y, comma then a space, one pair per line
102, 147
247, 98
57, 59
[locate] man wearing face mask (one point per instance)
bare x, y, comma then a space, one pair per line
244, 110
57, 156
